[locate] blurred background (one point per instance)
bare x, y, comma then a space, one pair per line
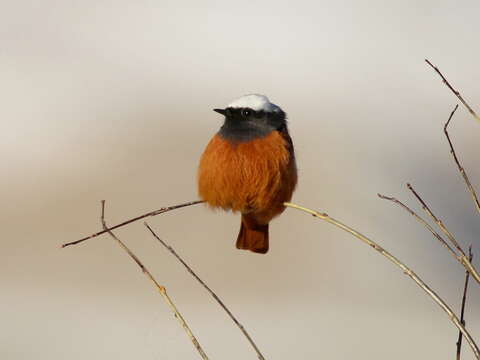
113, 100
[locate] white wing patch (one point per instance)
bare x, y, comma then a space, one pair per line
255, 102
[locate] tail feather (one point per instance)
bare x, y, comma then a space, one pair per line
252, 236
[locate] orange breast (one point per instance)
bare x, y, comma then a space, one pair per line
255, 176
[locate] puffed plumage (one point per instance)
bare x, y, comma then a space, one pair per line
249, 166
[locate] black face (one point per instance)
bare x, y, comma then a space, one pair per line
245, 124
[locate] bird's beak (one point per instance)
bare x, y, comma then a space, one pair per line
220, 111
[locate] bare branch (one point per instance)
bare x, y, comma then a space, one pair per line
460, 167
464, 299
461, 258
151, 213
217, 299
407, 271
457, 94
423, 222
160, 288
439, 222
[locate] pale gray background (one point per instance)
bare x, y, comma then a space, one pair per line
112, 100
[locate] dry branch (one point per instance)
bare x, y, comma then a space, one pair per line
217, 299
460, 167
422, 221
407, 271
464, 299
457, 94
161, 289
126, 222
439, 222
461, 258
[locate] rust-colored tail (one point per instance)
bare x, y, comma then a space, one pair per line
252, 236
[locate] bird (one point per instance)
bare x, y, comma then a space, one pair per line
249, 167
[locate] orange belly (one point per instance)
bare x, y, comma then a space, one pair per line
251, 177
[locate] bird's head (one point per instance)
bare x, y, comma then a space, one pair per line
251, 116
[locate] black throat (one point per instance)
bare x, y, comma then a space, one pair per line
240, 128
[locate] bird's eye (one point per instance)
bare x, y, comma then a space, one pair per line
246, 112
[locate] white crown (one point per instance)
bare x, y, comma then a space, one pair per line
255, 102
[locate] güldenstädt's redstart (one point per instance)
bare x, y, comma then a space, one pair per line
249, 166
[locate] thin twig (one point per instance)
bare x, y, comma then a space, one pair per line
160, 288
460, 167
457, 94
220, 302
461, 258
464, 299
423, 222
407, 271
151, 213
439, 222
